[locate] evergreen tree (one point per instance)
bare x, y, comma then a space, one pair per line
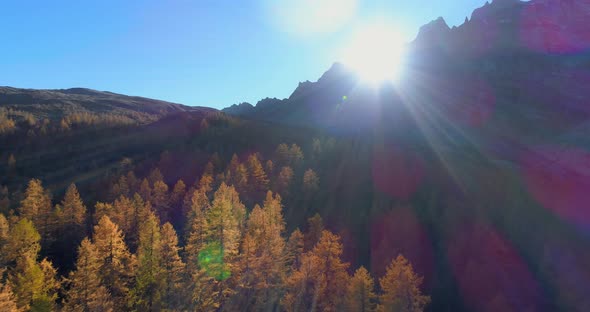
149, 278
4, 231
120, 188
206, 184
116, 264
155, 176
73, 210
36, 206
145, 190
23, 242
258, 181
401, 288
360, 295
7, 298
173, 269
86, 293
34, 284
132, 183
160, 201
199, 282
209, 169
176, 201
295, 155
269, 167
311, 182
225, 221
284, 180
282, 154
295, 249
263, 264
315, 227
321, 281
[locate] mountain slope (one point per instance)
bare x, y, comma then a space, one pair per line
56, 104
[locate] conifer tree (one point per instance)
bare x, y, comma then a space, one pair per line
116, 264
155, 176
311, 182
7, 298
132, 183
269, 167
120, 188
176, 201
315, 227
258, 181
401, 288
263, 264
4, 200
4, 231
360, 294
284, 180
321, 281
23, 242
282, 154
34, 284
173, 269
209, 169
240, 179
36, 206
86, 293
206, 184
200, 283
73, 210
295, 249
295, 155
160, 200
145, 190
149, 278
225, 221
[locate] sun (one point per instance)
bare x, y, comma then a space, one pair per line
375, 52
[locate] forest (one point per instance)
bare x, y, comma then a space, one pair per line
218, 244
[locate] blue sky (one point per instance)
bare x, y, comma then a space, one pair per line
200, 52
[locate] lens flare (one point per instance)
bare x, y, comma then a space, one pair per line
375, 52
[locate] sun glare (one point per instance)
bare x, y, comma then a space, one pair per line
376, 53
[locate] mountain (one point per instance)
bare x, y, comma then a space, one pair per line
56, 104
474, 166
506, 44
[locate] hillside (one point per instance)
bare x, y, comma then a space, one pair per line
475, 166
56, 104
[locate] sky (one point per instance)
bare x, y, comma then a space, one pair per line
195, 52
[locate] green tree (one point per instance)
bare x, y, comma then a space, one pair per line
34, 284
225, 221
401, 288
23, 242
149, 278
